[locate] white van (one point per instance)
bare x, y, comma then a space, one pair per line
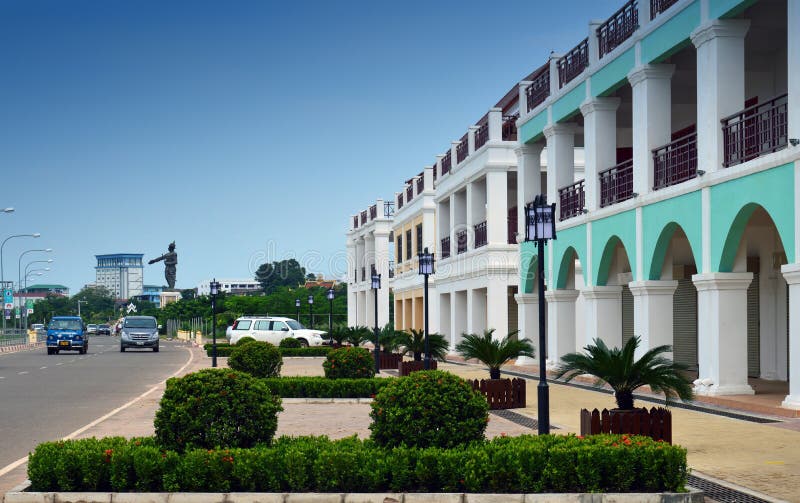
273, 330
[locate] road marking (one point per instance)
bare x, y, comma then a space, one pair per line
22, 373
42, 368
61, 363
21, 461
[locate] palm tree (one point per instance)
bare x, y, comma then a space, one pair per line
387, 337
358, 334
413, 342
617, 368
492, 352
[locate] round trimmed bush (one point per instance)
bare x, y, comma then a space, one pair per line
428, 408
245, 340
259, 359
289, 342
216, 408
350, 362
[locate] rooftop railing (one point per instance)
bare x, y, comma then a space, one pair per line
481, 236
573, 63
388, 209
539, 89
659, 6
616, 184
420, 184
675, 162
355, 222
373, 212
462, 150
446, 162
400, 200
481, 135
510, 127
755, 131
618, 28
409, 193
391, 269
363, 217
572, 200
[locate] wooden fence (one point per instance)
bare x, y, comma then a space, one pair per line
502, 393
389, 360
655, 423
405, 368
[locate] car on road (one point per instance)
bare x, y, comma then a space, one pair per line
139, 332
274, 329
104, 329
38, 327
91, 328
66, 333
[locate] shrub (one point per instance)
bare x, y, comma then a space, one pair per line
216, 408
525, 464
244, 340
289, 342
260, 359
428, 408
225, 350
321, 387
351, 362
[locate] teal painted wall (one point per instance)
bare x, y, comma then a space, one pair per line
608, 78
567, 240
569, 103
672, 35
725, 8
527, 266
659, 222
733, 203
532, 130
605, 234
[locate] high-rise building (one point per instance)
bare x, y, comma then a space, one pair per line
121, 273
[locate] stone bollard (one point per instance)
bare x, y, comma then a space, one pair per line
32, 337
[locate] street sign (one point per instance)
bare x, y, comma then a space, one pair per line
8, 297
29, 306
131, 308
16, 312
8, 313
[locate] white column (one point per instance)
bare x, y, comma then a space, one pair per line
528, 322
381, 244
560, 324
471, 139
497, 207
720, 84
497, 306
454, 155
652, 313
791, 272
470, 215
652, 119
594, 44
560, 159
429, 213
793, 67
603, 306
600, 143
529, 180
352, 301
722, 333
453, 224
523, 97
458, 315
495, 124
644, 13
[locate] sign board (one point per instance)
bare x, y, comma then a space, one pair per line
16, 312
8, 298
29, 306
8, 314
131, 308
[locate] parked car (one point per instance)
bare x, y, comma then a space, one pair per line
39, 327
273, 329
104, 329
139, 332
66, 333
91, 328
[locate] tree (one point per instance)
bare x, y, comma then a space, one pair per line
617, 368
189, 293
311, 277
492, 352
414, 342
284, 273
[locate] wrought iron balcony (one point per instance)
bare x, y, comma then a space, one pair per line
446, 162
755, 131
481, 135
445, 247
512, 225
573, 63
388, 209
616, 184
400, 200
461, 241
539, 89
363, 217
659, 6
462, 151
510, 127
481, 237
572, 200
373, 212
355, 222
420, 184
391, 269
618, 28
675, 162
409, 193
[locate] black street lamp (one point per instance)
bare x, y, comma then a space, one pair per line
330, 296
311, 311
297, 305
426, 269
376, 285
540, 226
214, 290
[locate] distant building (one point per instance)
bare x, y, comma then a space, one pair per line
232, 286
121, 274
39, 292
320, 281
151, 293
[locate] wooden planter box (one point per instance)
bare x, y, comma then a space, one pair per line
501, 393
405, 368
389, 360
655, 423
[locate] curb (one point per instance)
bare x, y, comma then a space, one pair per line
327, 400
20, 347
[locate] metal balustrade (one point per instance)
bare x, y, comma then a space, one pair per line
420, 184
481, 237
675, 162
400, 201
755, 131
355, 222
539, 89
388, 209
618, 28
409, 193
573, 63
616, 183
363, 217
481, 135
447, 162
659, 6
461, 241
373, 212
445, 247
510, 127
572, 200
462, 151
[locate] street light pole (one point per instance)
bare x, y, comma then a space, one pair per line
214, 290
48, 261
426, 269
19, 281
79, 306
330, 294
297, 306
311, 311
2, 271
376, 285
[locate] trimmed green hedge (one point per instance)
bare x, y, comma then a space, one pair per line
526, 464
322, 387
224, 350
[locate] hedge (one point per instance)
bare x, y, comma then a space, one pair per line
224, 350
322, 387
525, 464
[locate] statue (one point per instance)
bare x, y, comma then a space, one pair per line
170, 261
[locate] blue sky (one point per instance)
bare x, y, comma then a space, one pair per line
246, 130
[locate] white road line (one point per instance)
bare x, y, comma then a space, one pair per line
42, 368
60, 363
2, 377
22, 373
22, 461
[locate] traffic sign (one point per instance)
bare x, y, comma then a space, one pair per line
8, 296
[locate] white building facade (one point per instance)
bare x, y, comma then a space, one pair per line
121, 273
230, 285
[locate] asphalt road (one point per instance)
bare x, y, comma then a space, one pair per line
46, 397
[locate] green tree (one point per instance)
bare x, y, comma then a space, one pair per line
284, 273
492, 352
413, 342
189, 293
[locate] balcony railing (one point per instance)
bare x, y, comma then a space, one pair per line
420, 184
445, 247
675, 162
461, 241
355, 222
573, 63
659, 6
462, 150
434, 172
512, 226
363, 217
618, 28
480, 234
391, 269
363, 273
572, 200
446, 162
616, 184
755, 131
388, 209
409, 193
373, 212
481, 136
400, 201
510, 127
539, 89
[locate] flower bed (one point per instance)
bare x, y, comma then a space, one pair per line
224, 350
526, 464
322, 387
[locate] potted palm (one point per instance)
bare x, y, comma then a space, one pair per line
389, 358
624, 374
358, 335
492, 352
413, 342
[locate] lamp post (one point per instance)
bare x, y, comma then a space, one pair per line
2, 271
19, 276
330, 294
426, 269
311, 312
540, 226
297, 306
79, 306
376, 285
214, 291
48, 261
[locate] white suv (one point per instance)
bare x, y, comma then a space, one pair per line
273, 330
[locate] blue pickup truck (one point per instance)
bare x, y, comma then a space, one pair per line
66, 333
